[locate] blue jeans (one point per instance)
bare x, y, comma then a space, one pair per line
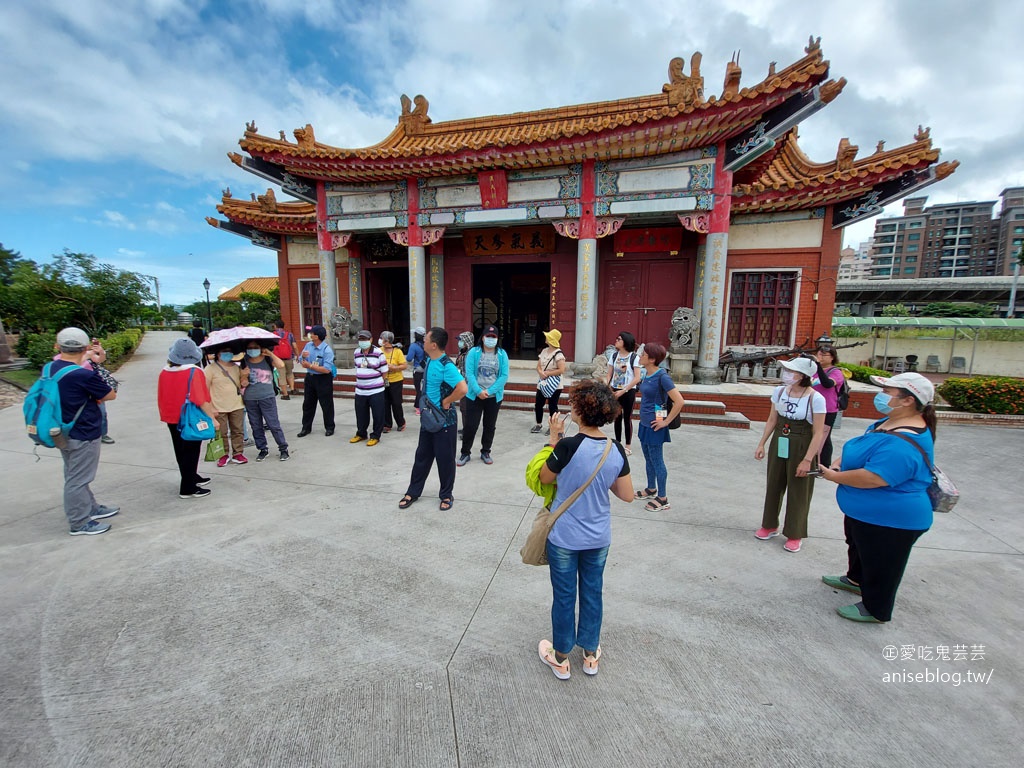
657, 472
566, 567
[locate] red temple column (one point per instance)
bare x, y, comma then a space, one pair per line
712, 277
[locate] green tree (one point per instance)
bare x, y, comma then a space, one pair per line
957, 309
895, 310
251, 309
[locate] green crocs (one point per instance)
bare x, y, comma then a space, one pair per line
852, 612
841, 582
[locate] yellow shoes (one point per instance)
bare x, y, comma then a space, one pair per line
372, 441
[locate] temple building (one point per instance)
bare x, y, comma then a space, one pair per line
590, 219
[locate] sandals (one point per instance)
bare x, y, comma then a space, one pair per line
407, 501
657, 505
628, 450
446, 504
646, 493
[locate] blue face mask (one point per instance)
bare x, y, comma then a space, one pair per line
254, 352
364, 345
490, 342
227, 357
882, 403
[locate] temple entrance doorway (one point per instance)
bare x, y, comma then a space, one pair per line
516, 298
640, 295
386, 302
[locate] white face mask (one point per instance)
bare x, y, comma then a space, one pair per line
791, 377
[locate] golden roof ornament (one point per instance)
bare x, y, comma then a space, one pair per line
283, 135
226, 192
923, 134
942, 170
813, 45
880, 146
845, 155
268, 202
305, 137
681, 88
414, 118
250, 127
733, 73
831, 89
252, 197
771, 69
235, 158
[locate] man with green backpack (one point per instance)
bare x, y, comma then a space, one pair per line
62, 410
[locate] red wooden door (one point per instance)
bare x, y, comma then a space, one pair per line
665, 290
641, 295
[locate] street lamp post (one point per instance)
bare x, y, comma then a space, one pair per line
209, 312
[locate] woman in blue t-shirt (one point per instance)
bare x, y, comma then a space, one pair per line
883, 492
578, 543
656, 390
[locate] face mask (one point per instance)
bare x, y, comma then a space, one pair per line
882, 403
461, 345
254, 352
791, 377
364, 345
490, 342
380, 342
227, 357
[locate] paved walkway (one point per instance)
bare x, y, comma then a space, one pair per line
296, 617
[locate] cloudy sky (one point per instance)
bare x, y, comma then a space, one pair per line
116, 115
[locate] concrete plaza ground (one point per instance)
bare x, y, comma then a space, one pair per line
296, 617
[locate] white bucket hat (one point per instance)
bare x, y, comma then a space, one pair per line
803, 365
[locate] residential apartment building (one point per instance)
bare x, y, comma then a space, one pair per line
855, 264
1011, 229
949, 240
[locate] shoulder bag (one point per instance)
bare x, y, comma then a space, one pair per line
551, 384
534, 551
432, 417
942, 493
193, 424
678, 420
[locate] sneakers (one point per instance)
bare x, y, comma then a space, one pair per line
102, 512
239, 459
535, 429
486, 458
547, 430
372, 442
285, 455
91, 528
107, 440
546, 651
201, 493
262, 454
590, 662
202, 481
764, 534
463, 460
223, 460
841, 582
792, 545
356, 439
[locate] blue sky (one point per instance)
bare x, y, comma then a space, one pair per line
117, 116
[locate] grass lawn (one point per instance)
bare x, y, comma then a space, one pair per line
23, 378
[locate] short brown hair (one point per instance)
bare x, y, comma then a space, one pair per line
655, 351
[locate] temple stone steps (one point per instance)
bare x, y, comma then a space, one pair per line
519, 396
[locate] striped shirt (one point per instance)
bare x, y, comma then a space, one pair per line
370, 365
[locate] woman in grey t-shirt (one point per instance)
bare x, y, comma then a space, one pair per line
259, 395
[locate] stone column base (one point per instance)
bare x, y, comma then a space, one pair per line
681, 367
707, 375
343, 354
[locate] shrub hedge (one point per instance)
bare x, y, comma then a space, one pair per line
38, 347
985, 394
862, 372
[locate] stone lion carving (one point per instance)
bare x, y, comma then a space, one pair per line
600, 372
343, 325
683, 332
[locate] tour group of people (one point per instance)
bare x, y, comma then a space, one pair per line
882, 476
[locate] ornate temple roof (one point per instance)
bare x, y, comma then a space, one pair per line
260, 285
786, 179
264, 213
678, 118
